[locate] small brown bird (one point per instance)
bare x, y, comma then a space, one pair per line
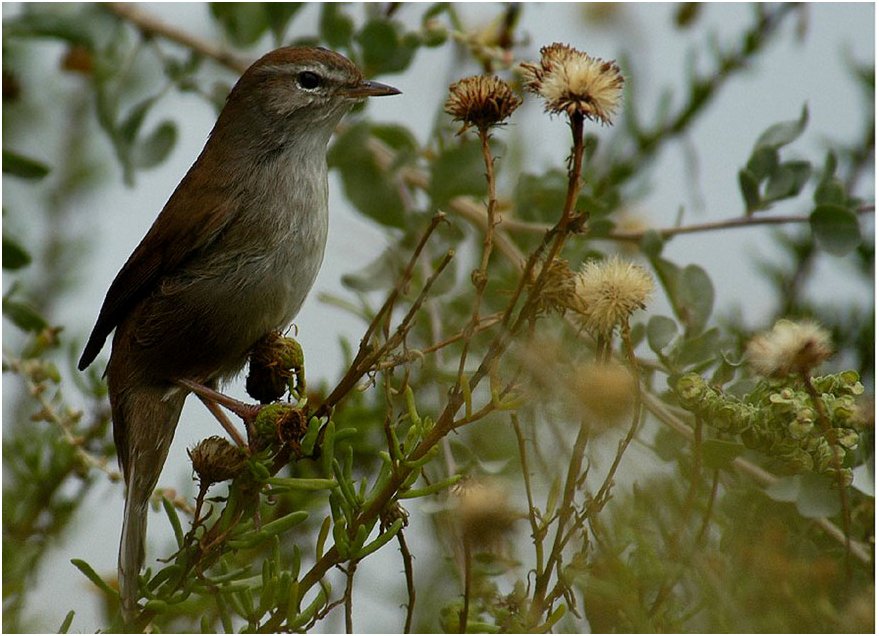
230, 258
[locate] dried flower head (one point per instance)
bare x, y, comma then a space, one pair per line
216, 459
558, 286
789, 347
608, 291
571, 81
481, 101
482, 512
605, 389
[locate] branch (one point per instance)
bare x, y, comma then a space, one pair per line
635, 236
151, 26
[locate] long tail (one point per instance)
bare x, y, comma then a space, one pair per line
144, 420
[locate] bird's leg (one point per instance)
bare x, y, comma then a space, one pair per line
213, 400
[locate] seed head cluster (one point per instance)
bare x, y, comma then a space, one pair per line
608, 291
482, 101
789, 347
570, 81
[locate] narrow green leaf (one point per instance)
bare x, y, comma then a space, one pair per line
783, 133
836, 228
93, 576
23, 316
432, 489
285, 484
381, 540
65, 624
171, 512
20, 166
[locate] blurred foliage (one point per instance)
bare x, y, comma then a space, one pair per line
714, 536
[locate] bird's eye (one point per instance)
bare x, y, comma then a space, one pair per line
308, 80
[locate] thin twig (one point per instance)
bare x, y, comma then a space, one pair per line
150, 25
514, 225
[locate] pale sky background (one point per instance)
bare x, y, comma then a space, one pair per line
790, 74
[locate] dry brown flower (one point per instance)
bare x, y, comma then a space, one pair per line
482, 101
216, 459
571, 81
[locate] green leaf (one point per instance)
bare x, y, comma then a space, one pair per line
540, 197
749, 185
171, 513
129, 128
718, 453
397, 137
817, 496
457, 171
651, 243
20, 166
787, 180
156, 147
372, 191
830, 189
77, 28
14, 254
661, 330
784, 488
763, 162
336, 26
67, 622
696, 297
783, 133
93, 576
279, 14
384, 51
699, 350
835, 228
243, 22
23, 316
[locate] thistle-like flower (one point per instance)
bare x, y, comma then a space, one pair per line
215, 459
789, 347
608, 291
571, 81
481, 101
606, 389
482, 512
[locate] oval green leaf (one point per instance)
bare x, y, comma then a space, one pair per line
835, 228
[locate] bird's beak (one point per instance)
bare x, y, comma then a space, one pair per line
368, 88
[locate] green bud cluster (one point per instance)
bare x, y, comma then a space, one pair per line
780, 418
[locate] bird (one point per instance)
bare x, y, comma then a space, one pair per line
229, 259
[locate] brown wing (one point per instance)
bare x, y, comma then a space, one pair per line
184, 227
